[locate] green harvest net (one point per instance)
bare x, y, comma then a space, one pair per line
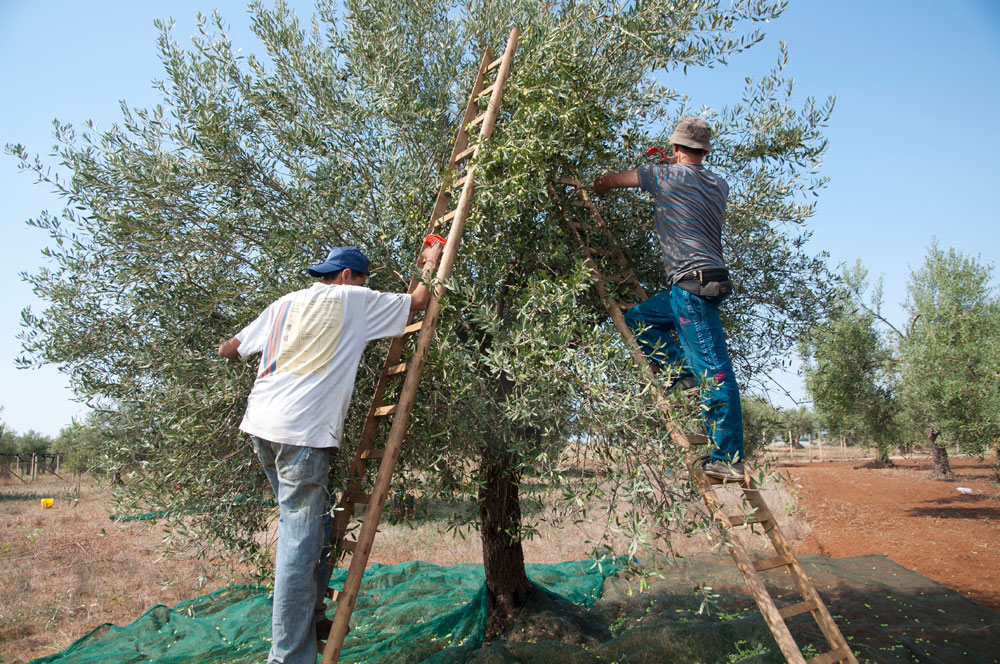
411, 612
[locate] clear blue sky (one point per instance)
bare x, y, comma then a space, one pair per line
914, 139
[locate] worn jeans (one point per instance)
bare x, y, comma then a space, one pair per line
298, 476
702, 352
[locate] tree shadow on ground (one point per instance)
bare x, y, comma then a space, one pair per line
886, 612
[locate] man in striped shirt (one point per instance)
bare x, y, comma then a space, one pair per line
690, 210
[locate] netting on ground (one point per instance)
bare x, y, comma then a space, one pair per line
411, 612
417, 613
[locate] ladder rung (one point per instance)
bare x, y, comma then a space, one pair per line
697, 438
348, 545
443, 218
413, 327
837, 655
372, 454
493, 65
771, 563
383, 411
476, 120
464, 154
797, 609
743, 519
602, 251
396, 369
460, 182
488, 90
360, 498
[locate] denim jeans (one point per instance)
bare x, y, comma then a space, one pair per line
702, 352
302, 568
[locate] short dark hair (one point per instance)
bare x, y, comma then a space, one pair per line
333, 275
691, 151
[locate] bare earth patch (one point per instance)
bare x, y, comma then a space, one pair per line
925, 525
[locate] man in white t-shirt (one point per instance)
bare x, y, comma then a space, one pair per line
311, 343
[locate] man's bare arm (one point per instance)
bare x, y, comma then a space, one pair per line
229, 349
609, 181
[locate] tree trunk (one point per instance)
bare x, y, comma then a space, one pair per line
507, 584
942, 468
882, 459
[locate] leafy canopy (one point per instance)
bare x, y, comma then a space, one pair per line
184, 220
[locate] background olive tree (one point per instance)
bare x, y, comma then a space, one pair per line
949, 357
184, 220
851, 367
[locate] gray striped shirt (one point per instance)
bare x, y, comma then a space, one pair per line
690, 210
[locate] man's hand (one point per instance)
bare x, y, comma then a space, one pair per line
230, 349
430, 255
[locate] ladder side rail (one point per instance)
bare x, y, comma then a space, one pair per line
618, 318
404, 406
799, 577
755, 584
601, 224
769, 610
461, 139
360, 463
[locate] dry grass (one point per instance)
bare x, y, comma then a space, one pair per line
69, 569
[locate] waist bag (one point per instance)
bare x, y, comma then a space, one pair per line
709, 283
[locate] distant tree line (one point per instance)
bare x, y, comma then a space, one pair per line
78, 443
934, 382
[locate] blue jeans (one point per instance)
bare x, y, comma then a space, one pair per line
702, 352
302, 567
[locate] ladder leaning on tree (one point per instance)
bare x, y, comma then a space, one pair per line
587, 234
445, 213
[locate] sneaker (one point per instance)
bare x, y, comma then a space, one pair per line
682, 384
724, 470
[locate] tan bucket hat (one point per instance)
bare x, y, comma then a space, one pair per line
692, 133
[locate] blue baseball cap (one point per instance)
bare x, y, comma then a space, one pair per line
340, 258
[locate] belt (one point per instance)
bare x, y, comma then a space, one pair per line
705, 275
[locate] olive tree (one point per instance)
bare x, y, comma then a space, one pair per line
851, 369
184, 220
949, 358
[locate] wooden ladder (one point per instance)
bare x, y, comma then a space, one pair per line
462, 159
584, 236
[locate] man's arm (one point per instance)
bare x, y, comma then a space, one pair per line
609, 181
229, 349
421, 296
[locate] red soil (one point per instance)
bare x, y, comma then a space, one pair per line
923, 524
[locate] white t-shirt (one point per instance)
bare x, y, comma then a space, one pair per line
311, 341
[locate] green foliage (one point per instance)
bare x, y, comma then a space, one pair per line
32, 442
184, 221
761, 423
850, 367
7, 438
950, 360
82, 444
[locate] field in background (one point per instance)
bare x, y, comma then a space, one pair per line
69, 568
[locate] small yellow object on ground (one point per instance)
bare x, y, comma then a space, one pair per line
46, 503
